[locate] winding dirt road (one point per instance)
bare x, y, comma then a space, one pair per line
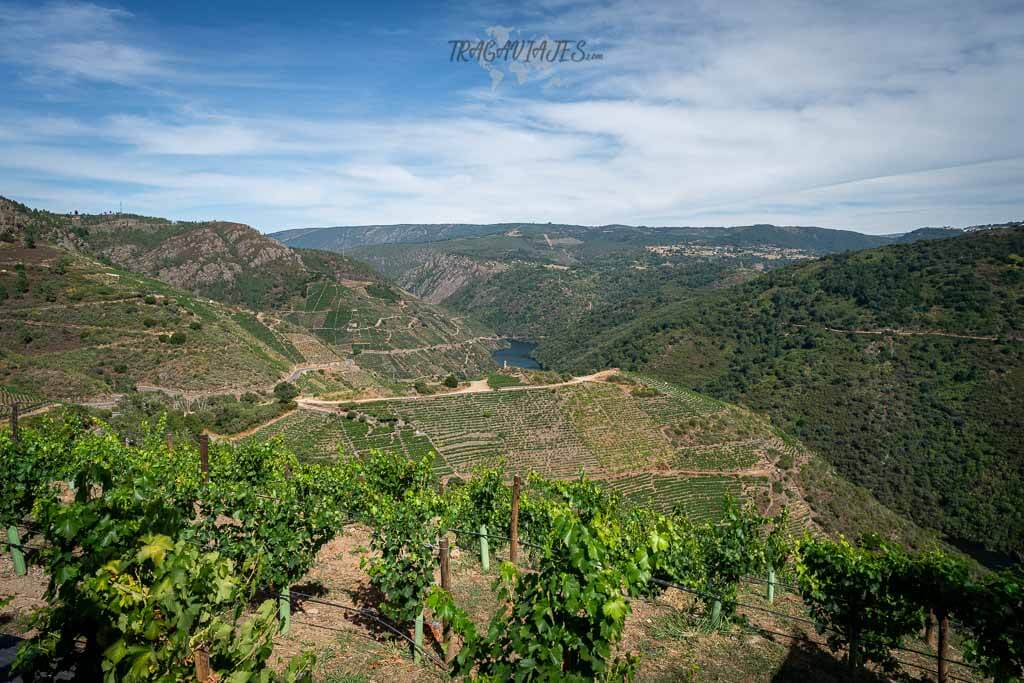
479, 386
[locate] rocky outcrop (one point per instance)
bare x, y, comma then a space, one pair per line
440, 276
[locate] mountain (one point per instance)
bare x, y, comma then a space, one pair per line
347, 237
323, 308
533, 280
795, 237
901, 365
72, 327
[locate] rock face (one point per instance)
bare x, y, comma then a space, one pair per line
440, 275
208, 254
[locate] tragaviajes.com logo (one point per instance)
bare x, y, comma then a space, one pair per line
525, 51
527, 58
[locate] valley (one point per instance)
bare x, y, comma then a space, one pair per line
544, 342
671, 376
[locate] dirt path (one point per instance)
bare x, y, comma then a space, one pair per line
898, 332
436, 347
477, 387
77, 326
752, 472
80, 304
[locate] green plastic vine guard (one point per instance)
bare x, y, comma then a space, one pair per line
771, 585
716, 613
284, 608
418, 638
485, 555
17, 554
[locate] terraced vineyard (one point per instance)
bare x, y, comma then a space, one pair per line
321, 384
25, 401
527, 428
730, 456
673, 402
700, 497
470, 359
312, 349
600, 427
396, 338
315, 435
613, 426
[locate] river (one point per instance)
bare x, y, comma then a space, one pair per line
518, 355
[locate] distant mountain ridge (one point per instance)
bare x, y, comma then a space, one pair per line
811, 238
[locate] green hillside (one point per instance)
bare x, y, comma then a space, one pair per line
902, 365
306, 307
534, 281
681, 450
71, 326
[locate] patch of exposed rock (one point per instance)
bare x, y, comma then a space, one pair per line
443, 275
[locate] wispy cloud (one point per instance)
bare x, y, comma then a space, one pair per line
878, 117
64, 42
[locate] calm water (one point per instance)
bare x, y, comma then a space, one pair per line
519, 355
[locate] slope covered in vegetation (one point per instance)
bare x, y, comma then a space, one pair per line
307, 307
71, 326
902, 365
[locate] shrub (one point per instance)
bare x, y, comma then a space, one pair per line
178, 338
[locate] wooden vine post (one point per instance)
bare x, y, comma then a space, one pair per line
202, 659
513, 546
853, 656
204, 457
170, 442
446, 584
943, 619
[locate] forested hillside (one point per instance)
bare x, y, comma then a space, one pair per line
902, 365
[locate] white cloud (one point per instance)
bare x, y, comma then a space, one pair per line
64, 42
879, 118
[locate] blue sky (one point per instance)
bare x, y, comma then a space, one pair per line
879, 117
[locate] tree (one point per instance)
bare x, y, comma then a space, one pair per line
451, 382
285, 392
